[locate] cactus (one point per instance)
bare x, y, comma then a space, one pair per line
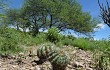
44, 49
50, 52
59, 60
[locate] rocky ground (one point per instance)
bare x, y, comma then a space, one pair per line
80, 60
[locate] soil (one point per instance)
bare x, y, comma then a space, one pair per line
80, 60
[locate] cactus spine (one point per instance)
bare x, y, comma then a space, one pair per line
44, 49
59, 60
50, 52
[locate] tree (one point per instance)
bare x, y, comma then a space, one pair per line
15, 18
3, 4
24, 24
34, 11
3, 17
63, 14
105, 13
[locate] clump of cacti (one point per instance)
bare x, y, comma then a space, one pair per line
50, 52
59, 60
44, 50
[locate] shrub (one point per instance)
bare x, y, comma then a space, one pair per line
83, 44
41, 38
9, 41
103, 61
101, 45
71, 37
10, 46
67, 41
53, 35
59, 44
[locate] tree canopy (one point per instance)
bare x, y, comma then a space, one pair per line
3, 6
63, 14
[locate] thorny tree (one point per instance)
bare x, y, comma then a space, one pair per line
105, 12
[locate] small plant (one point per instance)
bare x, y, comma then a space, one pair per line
9, 44
102, 60
44, 50
53, 35
59, 44
59, 60
103, 63
71, 37
83, 44
67, 41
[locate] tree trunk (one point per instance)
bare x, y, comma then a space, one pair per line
51, 20
35, 29
17, 26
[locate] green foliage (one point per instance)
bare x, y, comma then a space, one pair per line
86, 44
67, 41
102, 45
15, 39
53, 35
41, 38
30, 40
59, 44
2, 17
10, 47
3, 4
60, 13
22, 38
103, 61
83, 44
15, 18
71, 37
9, 43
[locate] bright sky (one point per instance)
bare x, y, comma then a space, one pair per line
93, 7
88, 6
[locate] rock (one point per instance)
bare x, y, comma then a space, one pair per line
37, 68
78, 64
89, 69
32, 68
34, 64
69, 66
14, 66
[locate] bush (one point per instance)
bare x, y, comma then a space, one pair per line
10, 46
67, 41
22, 38
102, 45
83, 44
9, 41
59, 44
40, 38
71, 37
103, 61
53, 35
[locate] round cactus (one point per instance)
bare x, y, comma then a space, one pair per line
44, 49
57, 57
59, 60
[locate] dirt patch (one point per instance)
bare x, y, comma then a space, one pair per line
80, 60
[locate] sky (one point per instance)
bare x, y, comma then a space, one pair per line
87, 6
93, 7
